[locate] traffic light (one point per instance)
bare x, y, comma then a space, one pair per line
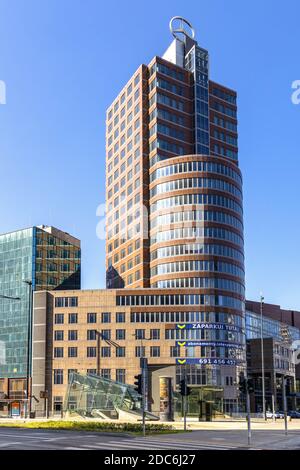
138, 384
182, 387
185, 391
250, 386
243, 385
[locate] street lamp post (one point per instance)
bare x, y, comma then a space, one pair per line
262, 358
144, 365
29, 330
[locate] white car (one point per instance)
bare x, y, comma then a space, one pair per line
277, 415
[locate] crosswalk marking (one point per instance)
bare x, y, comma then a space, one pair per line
185, 442
7, 444
133, 445
152, 444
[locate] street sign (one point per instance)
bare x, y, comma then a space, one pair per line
191, 344
206, 326
208, 361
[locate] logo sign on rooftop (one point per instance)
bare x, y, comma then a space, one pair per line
180, 27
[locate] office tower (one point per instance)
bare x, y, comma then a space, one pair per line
174, 189
32, 259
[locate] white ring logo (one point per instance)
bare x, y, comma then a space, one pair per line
179, 26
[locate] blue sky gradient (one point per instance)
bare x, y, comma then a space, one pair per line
64, 61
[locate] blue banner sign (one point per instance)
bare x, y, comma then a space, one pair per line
206, 326
207, 361
191, 344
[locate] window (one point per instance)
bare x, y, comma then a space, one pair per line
58, 335
106, 373
120, 317
92, 317
58, 376
73, 318
120, 334
72, 335
91, 352
120, 375
66, 302
58, 352
91, 335
105, 351
70, 373
59, 318
72, 352
106, 334
155, 334
155, 351
140, 351
174, 351
139, 334
106, 317
120, 352
91, 371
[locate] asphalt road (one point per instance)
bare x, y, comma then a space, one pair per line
35, 439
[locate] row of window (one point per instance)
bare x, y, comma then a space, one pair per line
166, 85
190, 233
166, 146
54, 267
221, 122
223, 95
167, 116
190, 299
167, 101
205, 334
231, 112
91, 335
188, 317
56, 253
166, 130
197, 199
188, 167
225, 152
198, 216
165, 70
188, 183
227, 138
105, 351
199, 266
202, 283
197, 249
91, 318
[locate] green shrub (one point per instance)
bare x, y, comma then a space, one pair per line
95, 426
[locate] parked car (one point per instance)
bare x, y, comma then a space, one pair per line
276, 415
294, 414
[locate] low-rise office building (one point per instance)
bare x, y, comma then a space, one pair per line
107, 332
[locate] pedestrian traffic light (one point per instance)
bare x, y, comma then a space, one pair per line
138, 384
250, 386
185, 391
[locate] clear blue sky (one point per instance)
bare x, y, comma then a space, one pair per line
64, 61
